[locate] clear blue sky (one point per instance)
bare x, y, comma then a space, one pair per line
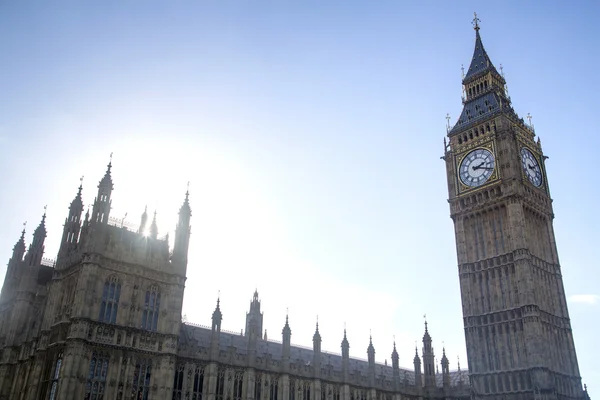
311, 133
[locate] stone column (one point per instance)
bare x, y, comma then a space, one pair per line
284, 387
249, 382
210, 377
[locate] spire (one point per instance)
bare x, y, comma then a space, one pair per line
19, 248
107, 179
217, 316
144, 221
72, 225
480, 63
182, 236
317, 335
77, 202
484, 88
286, 343
154, 227
254, 318
36, 248
395, 356
445, 369
417, 363
102, 203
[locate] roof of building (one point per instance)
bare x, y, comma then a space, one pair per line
303, 354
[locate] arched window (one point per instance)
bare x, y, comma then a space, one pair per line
55, 377
141, 380
237, 385
110, 301
178, 382
151, 309
198, 383
96, 382
273, 389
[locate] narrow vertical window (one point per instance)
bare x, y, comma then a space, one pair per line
238, 382
306, 391
178, 382
141, 380
198, 383
110, 301
151, 309
96, 381
257, 386
273, 389
55, 377
220, 392
292, 395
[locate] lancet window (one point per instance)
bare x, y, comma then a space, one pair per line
151, 309
178, 382
141, 380
55, 377
237, 385
220, 392
110, 301
273, 388
96, 381
198, 383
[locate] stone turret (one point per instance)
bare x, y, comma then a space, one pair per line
102, 203
182, 237
317, 351
417, 364
428, 359
72, 226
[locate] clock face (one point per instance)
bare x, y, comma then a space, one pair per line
532, 168
477, 167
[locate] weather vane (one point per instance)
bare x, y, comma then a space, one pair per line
447, 122
476, 21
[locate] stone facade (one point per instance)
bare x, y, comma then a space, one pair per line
104, 322
517, 327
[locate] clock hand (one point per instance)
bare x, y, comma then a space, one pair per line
531, 167
476, 167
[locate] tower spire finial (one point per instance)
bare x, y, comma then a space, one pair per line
476, 21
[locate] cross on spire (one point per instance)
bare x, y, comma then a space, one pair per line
529, 118
476, 21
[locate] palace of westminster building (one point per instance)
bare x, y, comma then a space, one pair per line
103, 321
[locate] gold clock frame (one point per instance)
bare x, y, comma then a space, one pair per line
495, 176
538, 158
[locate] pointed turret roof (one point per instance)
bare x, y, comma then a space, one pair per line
106, 181
19, 248
185, 207
154, 227
77, 202
481, 102
480, 63
317, 335
417, 359
394, 352
217, 316
40, 231
370, 349
345, 342
444, 358
286, 328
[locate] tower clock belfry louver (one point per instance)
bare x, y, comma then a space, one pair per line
517, 328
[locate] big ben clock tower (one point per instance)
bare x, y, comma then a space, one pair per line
517, 328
